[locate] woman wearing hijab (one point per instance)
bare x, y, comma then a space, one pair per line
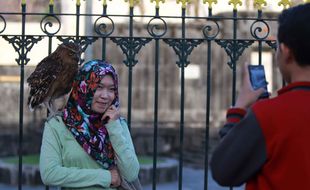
89, 146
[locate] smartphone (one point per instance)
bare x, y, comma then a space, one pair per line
258, 78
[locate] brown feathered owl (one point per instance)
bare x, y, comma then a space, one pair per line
53, 76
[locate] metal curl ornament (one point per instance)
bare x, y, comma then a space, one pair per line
4, 25
256, 30
102, 28
208, 28
155, 30
47, 22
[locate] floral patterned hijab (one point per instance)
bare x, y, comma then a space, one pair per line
86, 125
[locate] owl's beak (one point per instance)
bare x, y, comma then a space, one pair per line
77, 57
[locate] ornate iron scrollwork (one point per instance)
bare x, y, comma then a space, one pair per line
19, 42
131, 47
47, 22
183, 48
103, 29
234, 48
83, 41
157, 30
4, 25
257, 30
207, 30
272, 44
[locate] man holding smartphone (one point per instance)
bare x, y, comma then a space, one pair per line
266, 143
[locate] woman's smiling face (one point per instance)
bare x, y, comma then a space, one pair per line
104, 95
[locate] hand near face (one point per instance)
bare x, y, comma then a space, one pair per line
112, 113
115, 178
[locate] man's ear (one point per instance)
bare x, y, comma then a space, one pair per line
286, 53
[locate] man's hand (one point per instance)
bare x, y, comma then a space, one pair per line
115, 178
112, 113
247, 95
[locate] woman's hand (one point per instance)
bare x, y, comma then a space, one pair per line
112, 113
115, 178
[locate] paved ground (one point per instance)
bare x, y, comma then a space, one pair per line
192, 180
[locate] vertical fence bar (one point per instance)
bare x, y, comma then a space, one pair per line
260, 46
21, 101
207, 114
182, 64
130, 65
49, 52
155, 114
77, 31
234, 55
208, 109
234, 67
104, 39
51, 11
50, 40
155, 108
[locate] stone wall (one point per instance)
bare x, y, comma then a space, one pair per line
168, 142
31, 141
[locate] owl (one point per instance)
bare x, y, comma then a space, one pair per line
53, 77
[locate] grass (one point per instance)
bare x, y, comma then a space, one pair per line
148, 160
34, 159
29, 159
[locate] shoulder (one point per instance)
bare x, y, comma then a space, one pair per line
55, 124
265, 106
266, 112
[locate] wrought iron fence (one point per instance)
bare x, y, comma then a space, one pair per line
131, 44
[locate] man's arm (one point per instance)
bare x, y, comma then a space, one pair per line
242, 150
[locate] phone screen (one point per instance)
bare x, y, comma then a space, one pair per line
257, 77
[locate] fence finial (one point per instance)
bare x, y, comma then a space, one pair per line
78, 2
184, 2
210, 2
235, 3
104, 2
157, 2
285, 3
132, 3
259, 4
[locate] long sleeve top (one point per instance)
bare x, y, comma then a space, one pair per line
64, 163
267, 146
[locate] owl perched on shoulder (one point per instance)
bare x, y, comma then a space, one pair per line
53, 76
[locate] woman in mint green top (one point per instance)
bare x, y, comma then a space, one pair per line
89, 146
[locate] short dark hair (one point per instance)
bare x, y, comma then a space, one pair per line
294, 31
